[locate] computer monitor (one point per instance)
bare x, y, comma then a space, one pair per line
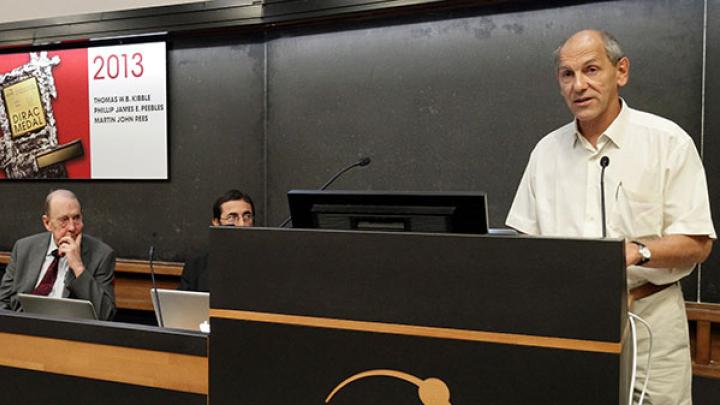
393, 211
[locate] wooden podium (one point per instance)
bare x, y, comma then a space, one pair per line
338, 317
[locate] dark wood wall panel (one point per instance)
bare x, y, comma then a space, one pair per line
710, 278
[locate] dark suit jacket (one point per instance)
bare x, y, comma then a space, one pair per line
94, 284
195, 275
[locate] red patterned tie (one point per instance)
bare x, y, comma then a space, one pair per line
48, 280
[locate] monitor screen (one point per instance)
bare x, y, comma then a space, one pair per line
390, 211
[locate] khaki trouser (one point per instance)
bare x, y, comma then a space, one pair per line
670, 368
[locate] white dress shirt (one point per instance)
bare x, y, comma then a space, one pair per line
654, 186
59, 285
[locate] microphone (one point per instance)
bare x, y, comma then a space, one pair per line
151, 255
360, 163
604, 162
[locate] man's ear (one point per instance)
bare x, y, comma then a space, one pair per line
623, 71
215, 222
46, 222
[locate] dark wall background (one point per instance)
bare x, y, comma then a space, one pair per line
709, 275
459, 102
442, 100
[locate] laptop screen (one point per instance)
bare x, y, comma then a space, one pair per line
181, 309
61, 307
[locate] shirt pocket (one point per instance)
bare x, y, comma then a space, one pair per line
637, 214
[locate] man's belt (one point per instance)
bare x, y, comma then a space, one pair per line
647, 290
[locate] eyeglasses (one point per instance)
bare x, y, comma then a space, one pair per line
65, 221
235, 218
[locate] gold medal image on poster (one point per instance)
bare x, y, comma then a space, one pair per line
24, 107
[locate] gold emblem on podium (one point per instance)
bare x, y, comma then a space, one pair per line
432, 391
29, 147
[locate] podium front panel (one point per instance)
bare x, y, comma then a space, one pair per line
310, 317
567, 288
261, 363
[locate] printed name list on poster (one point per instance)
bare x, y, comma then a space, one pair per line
128, 111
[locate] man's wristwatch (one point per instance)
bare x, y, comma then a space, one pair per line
645, 253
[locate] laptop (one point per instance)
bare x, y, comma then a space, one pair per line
182, 309
61, 307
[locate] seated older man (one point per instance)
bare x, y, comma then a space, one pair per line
62, 262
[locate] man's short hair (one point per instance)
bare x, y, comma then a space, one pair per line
612, 49
53, 193
231, 195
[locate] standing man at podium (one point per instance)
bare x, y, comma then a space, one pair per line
655, 197
62, 262
234, 208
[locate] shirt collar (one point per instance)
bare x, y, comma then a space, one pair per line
615, 132
52, 246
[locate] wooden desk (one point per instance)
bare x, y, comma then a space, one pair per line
132, 282
58, 361
705, 338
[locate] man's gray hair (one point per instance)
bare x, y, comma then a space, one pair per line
53, 193
612, 49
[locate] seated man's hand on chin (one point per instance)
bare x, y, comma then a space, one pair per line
70, 248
